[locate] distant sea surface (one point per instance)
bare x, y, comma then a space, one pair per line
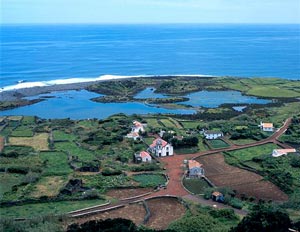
50, 52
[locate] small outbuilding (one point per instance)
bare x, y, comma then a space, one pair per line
142, 156
133, 135
217, 196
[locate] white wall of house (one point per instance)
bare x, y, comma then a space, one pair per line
146, 159
268, 129
196, 172
213, 136
160, 151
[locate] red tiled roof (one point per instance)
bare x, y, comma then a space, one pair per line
163, 142
194, 164
267, 125
217, 194
137, 124
145, 154
133, 134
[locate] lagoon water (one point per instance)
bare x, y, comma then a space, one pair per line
49, 52
149, 93
77, 105
213, 99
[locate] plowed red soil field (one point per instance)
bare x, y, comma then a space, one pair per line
243, 181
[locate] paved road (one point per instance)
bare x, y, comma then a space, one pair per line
174, 169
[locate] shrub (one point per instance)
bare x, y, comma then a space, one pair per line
295, 161
145, 167
110, 172
30, 177
236, 203
224, 213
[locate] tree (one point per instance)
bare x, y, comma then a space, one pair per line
264, 218
295, 161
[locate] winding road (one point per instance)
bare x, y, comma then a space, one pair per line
174, 170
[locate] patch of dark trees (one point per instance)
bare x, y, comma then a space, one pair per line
109, 225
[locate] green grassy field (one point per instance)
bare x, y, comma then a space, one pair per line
56, 163
191, 124
40, 209
28, 120
149, 180
186, 150
263, 87
195, 185
217, 143
201, 145
251, 152
22, 131
149, 140
31, 162
61, 135
242, 141
167, 123
152, 122
280, 114
7, 180
73, 149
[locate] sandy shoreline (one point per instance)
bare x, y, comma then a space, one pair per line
18, 93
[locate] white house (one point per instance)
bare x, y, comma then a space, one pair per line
195, 169
133, 135
213, 134
160, 148
280, 152
266, 126
143, 156
137, 127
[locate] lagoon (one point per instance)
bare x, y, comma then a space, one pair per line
77, 105
213, 99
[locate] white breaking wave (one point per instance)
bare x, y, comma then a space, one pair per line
25, 85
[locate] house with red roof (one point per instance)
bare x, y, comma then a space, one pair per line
137, 127
133, 135
267, 126
142, 156
195, 169
161, 148
280, 152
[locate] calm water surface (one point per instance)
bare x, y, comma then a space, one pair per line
77, 105
48, 52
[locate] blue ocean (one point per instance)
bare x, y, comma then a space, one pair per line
50, 52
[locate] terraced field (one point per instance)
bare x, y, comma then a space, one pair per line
243, 181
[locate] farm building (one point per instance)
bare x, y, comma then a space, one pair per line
280, 152
137, 127
133, 135
195, 169
213, 134
266, 126
161, 148
142, 156
217, 196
